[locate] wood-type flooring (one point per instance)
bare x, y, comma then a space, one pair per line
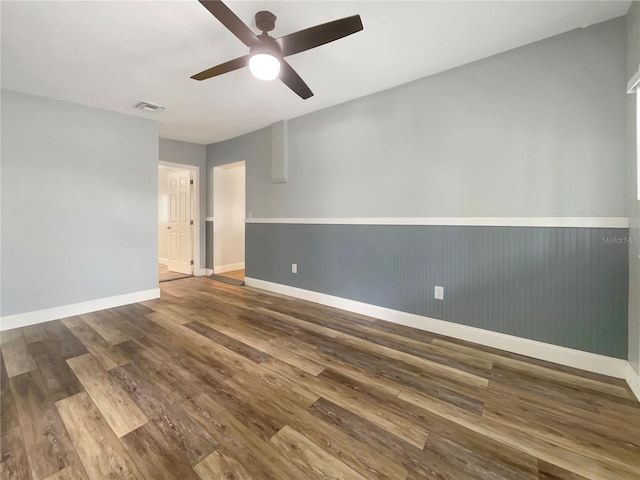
213, 381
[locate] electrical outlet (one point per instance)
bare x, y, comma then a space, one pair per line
438, 293
294, 268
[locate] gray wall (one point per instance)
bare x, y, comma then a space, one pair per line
536, 131
633, 62
79, 203
195, 155
565, 286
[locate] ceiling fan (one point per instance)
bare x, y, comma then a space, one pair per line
266, 54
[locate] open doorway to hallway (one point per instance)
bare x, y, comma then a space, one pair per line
176, 221
229, 221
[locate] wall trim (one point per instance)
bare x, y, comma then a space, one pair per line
163, 261
228, 268
613, 367
633, 380
208, 271
199, 272
209, 219
38, 316
576, 222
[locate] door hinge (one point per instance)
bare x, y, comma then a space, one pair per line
191, 262
190, 182
190, 222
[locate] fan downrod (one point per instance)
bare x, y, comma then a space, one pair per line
265, 21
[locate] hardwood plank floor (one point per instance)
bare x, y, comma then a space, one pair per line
101, 453
166, 275
218, 465
17, 358
117, 408
213, 381
235, 274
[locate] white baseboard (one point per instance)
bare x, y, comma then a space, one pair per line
229, 268
633, 380
592, 362
163, 261
208, 271
199, 272
38, 316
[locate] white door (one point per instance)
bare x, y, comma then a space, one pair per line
180, 223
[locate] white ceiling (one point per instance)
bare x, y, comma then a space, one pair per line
111, 55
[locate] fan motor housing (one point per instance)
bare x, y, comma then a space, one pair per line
265, 21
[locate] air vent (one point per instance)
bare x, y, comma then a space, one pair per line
150, 107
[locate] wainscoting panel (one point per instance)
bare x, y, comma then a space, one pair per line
383, 265
563, 286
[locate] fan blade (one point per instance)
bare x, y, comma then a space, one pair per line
319, 35
231, 21
229, 66
292, 80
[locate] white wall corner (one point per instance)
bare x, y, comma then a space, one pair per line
39, 316
592, 362
633, 380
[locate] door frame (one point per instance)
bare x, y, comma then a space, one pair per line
194, 174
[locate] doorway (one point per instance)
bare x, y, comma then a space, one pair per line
229, 222
177, 222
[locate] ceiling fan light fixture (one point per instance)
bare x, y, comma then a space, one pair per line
264, 66
266, 54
